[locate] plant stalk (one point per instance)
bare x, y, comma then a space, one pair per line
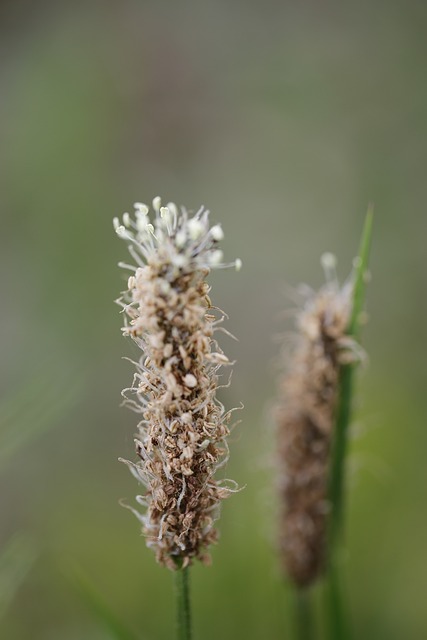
303, 621
339, 449
339, 452
338, 627
182, 590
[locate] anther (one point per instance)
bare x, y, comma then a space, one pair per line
217, 233
180, 238
216, 257
190, 381
195, 228
172, 208
329, 263
141, 208
121, 231
157, 201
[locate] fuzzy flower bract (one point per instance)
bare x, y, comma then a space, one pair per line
182, 435
306, 414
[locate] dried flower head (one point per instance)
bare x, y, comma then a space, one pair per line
308, 399
181, 440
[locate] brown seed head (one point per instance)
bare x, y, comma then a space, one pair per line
181, 439
305, 417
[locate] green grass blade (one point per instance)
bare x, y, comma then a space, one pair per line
336, 481
339, 628
34, 409
94, 601
360, 276
16, 560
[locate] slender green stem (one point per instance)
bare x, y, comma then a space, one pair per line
182, 590
342, 421
336, 489
335, 605
303, 615
338, 627
361, 271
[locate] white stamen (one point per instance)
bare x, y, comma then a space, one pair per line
216, 257
157, 202
238, 264
121, 232
126, 219
116, 223
124, 265
159, 235
190, 381
217, 232
173, 209
164, 287
166, 216
328, 260
141, 222
150, 229
329, 263
180, 238
187, 418
141, 208
179, 260
195, 228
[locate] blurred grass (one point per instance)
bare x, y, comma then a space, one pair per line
93, 599
25, 415
16, 559
285, 120
37, 406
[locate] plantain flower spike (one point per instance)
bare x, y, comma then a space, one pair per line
305, 418
182, 436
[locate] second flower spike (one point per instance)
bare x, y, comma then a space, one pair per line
306, 420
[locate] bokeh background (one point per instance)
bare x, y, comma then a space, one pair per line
286, 119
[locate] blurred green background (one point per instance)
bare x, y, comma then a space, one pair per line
285, 119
